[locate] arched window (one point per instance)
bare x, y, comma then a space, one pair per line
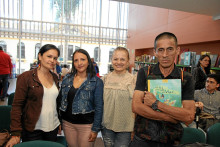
96, 54
3, 45
60, 47
76, 48
22, 50
110, 54
37, 48
70, 52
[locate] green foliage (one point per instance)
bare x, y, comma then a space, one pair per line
69, 7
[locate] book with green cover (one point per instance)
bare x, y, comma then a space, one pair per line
167, 91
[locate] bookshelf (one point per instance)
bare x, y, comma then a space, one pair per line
198, 48
138, 65
188, 68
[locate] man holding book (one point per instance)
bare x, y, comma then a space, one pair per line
208, 100
157, 123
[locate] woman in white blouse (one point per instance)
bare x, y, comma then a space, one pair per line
118, 119
34, 114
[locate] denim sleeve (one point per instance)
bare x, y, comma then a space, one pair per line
98, 102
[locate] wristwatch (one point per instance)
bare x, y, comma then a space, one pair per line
154, 106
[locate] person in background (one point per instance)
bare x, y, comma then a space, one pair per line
158, 124
65, 70
34, 113
81, 102
201, 72
96, 67
118, 119
5, 72
208, 100
35, 65
58, 69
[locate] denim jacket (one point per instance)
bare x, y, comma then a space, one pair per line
88, 98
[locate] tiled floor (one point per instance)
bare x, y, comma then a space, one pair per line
98, 143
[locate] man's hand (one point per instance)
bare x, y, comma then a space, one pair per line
149, 98
59, 130
92, 136
199, 104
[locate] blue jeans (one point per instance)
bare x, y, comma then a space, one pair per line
138, 142
115, 139
4, 78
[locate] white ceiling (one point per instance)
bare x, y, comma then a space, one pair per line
206, 7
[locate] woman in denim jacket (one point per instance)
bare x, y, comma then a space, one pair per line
81, 102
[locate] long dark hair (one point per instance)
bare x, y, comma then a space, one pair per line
207, 69
46, 48
90, 68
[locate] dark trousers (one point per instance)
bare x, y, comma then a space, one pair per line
138, 142
205, 123
4, 80
39, 135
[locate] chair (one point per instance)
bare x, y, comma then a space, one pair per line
39, 143
192, 135
11, 98
213, 134
62, 140
5, 117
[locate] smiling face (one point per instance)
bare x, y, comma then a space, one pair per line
80, 62
166, 51
49, 59
120, 61
204, 62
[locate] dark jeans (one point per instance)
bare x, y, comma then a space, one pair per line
138, 142
115, 139
39, 135
4, 79
205, 123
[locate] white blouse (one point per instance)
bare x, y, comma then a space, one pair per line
48, 119
118, 93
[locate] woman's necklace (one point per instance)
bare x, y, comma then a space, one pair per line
77, 81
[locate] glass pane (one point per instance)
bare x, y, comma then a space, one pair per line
70, 52
110, 54
52, 10
104, 61
72, 11
96, 54
60, 47
10, 9
37, 48
3, 45
79, 27
22, 50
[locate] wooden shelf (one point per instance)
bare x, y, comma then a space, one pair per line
188, 68
178, 65
215, 68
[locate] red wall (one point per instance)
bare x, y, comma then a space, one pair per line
192, 30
